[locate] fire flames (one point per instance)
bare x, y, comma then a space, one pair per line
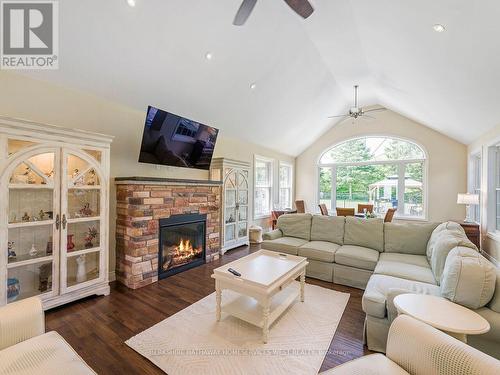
181, 254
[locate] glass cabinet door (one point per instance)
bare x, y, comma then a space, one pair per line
33, 236
82, 210
242, 181
230, 207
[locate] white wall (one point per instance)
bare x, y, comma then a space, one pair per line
25, 98
447, 161
490, 241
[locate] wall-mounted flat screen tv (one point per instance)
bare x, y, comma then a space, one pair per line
173, 140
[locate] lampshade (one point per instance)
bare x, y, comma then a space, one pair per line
468, 198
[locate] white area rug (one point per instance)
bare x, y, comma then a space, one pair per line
192, 342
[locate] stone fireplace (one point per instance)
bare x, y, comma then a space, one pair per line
143, 205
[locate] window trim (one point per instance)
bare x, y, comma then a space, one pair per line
271, 185
401, 167
493, 160
291, 166
474, 175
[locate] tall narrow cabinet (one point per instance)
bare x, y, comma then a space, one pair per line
236, 200
54, 212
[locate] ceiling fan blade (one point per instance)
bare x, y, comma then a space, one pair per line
338, 116
375, 110
244, 12
302, 7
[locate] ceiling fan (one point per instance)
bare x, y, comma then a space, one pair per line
302, 7
356, 112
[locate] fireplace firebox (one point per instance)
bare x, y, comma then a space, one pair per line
182, 243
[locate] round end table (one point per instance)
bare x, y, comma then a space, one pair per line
456, 320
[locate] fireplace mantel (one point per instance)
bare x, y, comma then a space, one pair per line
141, 203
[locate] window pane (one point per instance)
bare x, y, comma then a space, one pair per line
262, 201
367, 184
285, 198
414, 196
372, 149
325, 186
285, 176
262, 173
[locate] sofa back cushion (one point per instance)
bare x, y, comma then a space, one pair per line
407, 238
296, 225
364, 232
445, 227
495, 301
468, 279
446, 242
328, 228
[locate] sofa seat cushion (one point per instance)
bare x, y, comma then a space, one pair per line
288, 245
357, 256
45, 354
319, 250
380, 286
405, 266
373, 364
417, 260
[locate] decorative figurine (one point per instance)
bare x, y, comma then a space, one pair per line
78, 180
33, 251
91, 180
29, 175
14, 218
41, 215
26, 217
48, 249
86, 210
81, 275
45, 277
11, 251
90, 236
69, 243
13, 289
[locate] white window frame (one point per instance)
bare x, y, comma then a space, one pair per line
401, 167
493, 206
258, 158
475, 176
283, 205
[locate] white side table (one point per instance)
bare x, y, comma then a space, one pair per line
456, 320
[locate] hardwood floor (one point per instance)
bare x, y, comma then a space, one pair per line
97, 327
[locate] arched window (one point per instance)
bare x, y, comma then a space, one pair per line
381, 171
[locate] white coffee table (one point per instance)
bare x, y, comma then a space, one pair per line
264, 286
456, 320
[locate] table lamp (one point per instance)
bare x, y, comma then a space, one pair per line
468, 200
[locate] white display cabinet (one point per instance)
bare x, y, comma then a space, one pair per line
54, 220
236, 200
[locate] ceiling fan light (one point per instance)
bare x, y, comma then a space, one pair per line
438, 28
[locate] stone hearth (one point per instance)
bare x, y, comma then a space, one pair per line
141, 202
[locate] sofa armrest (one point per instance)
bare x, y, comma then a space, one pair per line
20, 321
272, 235
421, 350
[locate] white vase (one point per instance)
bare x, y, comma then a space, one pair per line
81, 274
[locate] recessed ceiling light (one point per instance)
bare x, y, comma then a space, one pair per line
438, 28
253, 86
131, 3
208, 56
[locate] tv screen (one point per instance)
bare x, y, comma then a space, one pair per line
173, 140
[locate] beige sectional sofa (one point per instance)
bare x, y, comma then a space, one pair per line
387, 259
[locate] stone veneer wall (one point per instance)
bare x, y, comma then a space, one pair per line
139, 207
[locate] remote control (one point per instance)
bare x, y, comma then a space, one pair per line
235, 273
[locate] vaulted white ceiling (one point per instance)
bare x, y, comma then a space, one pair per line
304, 70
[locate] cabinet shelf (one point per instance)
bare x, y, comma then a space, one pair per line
30, 186
82, 252
83, 219
24, 224
26, 259
85, 187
